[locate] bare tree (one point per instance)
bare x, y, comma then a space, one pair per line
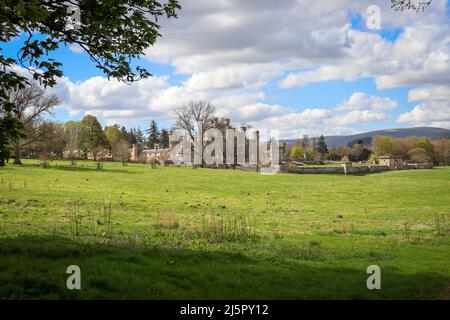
30, 104
71, 136
121, 152
52, 141
403, 5
193, 116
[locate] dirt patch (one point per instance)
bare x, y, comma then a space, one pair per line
441, 294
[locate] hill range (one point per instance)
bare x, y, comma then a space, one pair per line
427, 132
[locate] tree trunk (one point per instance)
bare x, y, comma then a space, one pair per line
17, 153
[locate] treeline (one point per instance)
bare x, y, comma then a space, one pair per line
40, 137
413, 149
85, 138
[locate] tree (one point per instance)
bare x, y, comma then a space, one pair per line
426, 144
131, 136
195, 119
338, 152
383, 146
403, 5
121, 152
140, 138
112, 33
91, 136
29, 105
52, 141
441, 148
365, 155
164, 138
72, 130
296, 153
322, 147
307, 153
304, 142
357, 151
194, 116
117, 143
135, 136
124, 132
374, 159
419, 155
153, 134
114, 136
363, 141
403, 145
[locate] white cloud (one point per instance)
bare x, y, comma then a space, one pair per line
418, 60
152, 98
238, 76
358, 116
435, 93
111, 99
319, 121
426, 112
362, 101
207, 36
233, 50
434, 108
76, 48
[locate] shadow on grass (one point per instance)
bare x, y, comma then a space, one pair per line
33, 267
78, 168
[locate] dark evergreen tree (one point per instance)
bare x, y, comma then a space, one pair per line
131, 136
140, 138
124, 132
322, 147
153, 134
164, 138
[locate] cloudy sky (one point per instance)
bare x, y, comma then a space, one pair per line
301, 66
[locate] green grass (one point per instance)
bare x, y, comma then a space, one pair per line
179, 233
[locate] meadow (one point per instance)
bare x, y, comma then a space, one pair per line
183, 233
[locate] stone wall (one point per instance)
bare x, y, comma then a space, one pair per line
413, 166
349, 169
324, 170
378, 168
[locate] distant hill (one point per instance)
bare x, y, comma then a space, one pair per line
427, 132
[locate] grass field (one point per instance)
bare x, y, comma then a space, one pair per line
179, 233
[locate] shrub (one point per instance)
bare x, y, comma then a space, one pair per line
45, 158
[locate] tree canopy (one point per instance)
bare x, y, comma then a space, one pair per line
111, 32
91, 136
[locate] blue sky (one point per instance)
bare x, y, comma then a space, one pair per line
329, 75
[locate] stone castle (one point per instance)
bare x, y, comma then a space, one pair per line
164, 155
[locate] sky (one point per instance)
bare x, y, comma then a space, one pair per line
299, 66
